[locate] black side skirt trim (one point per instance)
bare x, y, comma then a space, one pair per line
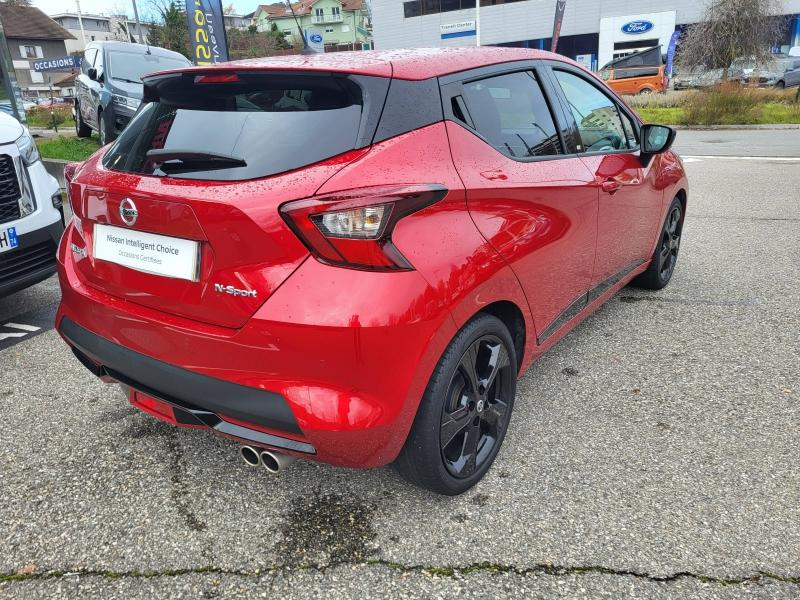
605, 285
179, 386
577, 305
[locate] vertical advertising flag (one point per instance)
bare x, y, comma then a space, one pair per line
560, 6
207, 31
673, 45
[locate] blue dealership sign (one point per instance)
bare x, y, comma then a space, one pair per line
637, 27
314, 40
61, 63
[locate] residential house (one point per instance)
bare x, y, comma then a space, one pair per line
344, 24
236, 21
31, 35
97, 28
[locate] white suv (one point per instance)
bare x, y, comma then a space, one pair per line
31, 215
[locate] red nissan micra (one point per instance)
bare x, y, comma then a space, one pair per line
352, 257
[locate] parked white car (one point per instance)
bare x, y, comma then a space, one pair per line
31, 215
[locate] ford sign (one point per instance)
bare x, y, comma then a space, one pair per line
637, 27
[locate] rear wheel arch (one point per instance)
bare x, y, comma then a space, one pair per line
511, 316
681, 195
501, 296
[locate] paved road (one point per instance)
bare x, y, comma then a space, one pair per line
732, 142
653, 452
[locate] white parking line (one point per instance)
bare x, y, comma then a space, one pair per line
22, 327
699, 157
6, 336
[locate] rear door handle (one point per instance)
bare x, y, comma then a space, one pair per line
611, 186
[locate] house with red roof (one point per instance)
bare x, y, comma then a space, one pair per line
343, 24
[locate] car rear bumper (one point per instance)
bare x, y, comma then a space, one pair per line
339, 384
196, 400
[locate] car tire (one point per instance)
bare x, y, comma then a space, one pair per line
781, 85
665, 256
645, 91
459, 404
82, 130
106, 131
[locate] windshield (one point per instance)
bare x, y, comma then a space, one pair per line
255, 126
131, 67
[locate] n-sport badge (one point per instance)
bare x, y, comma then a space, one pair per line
128, 212
229, 289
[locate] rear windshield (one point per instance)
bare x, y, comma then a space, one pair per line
245, 127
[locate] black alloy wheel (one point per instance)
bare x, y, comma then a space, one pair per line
465, 412
665, 256
82, 130
670, 244
476, 408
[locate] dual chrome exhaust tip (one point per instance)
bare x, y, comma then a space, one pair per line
271, 461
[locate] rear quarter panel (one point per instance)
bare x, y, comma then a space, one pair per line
440, 241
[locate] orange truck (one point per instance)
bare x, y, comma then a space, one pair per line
639, 73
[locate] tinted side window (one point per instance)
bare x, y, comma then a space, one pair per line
595, 113
638, 72
511, 113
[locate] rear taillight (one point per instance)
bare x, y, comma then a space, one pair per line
354, 228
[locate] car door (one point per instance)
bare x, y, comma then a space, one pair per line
606, 139
95, 88
83, 81
535, 204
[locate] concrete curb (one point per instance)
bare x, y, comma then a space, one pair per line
735, 127
55, 166
44, 133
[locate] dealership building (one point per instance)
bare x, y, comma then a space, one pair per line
593, 32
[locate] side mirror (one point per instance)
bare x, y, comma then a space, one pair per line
92, 73
656, 139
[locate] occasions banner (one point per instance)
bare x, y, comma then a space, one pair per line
560, 6
207, 31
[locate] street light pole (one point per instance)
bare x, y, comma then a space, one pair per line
80, 22
138, 24
306, 49
478, 22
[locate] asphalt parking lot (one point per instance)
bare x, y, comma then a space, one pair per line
653, 452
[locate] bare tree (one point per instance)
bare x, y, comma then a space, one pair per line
731, 29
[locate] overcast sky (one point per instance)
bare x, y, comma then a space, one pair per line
52, 7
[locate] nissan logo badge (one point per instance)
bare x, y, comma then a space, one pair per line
128, 212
